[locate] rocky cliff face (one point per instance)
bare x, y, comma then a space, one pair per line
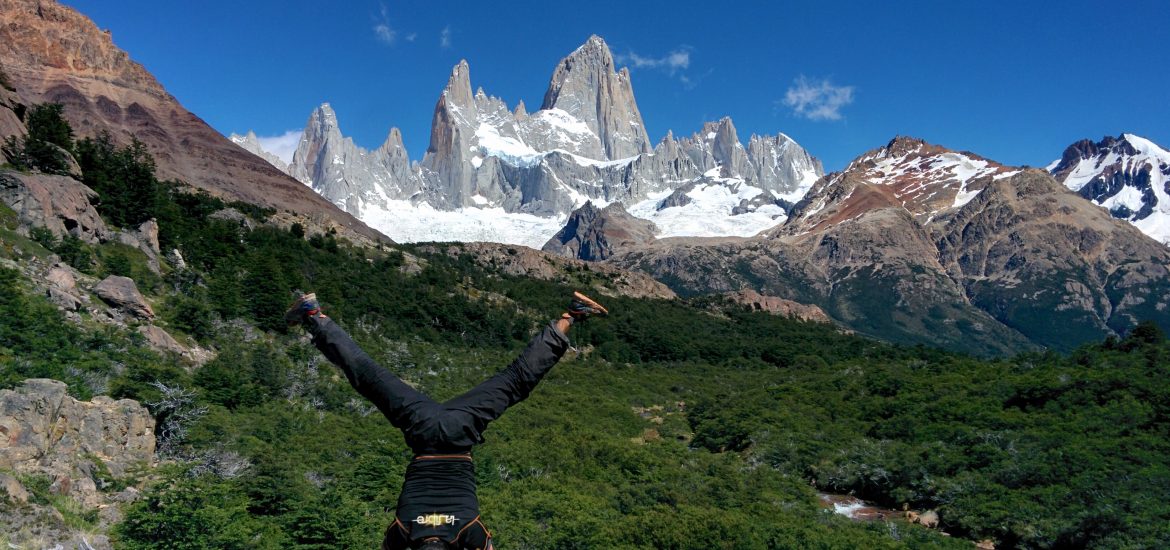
59, 203
586, 86
51, 53
80, 446
345, 174
914, 242
597, 233
1128, 175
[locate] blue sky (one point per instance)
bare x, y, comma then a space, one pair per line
1016, 82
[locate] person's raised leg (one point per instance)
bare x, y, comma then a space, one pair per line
401, 404
489, 400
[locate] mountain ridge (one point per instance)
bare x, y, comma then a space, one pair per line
586, 143
52, 53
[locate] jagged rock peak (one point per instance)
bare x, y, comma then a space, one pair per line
594, 234
1087, 149
585, 86
458, 90
324, 116
393, 140
1128, 175
521, 111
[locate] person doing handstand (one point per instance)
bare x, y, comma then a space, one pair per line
437, 508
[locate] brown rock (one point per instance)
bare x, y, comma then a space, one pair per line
161, 340
122, 293
779, 306
44, 430
63, 299
12, 487
62, 277
61, 204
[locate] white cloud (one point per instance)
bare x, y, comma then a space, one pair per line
445, 37
410, 37
817, 99
382, 29
283, 146
674, 61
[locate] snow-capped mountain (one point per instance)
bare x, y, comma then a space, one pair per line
1128, 175
927, 181
507, 175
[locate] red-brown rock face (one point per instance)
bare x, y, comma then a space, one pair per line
52, 53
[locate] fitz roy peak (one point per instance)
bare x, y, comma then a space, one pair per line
507, 175
1127, 175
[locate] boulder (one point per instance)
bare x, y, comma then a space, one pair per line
122, 293
60, 203
62, 276
148, 236
161, 340
12, 487
145, 239
175, 258
72, 168
232, 215
63, 299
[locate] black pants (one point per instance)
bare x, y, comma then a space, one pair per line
435, 481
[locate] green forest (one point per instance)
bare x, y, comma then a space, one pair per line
683, 424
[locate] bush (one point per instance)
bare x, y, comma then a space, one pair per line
48, 144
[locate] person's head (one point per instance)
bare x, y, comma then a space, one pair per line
434, 544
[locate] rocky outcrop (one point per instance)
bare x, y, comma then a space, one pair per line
161, 340
145, 239
59, 203
10, 110
51, 53
122, 293
595, 234
778, 306
81, 447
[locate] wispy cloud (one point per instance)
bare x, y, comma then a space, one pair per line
672, 62
283, 145
382, 29
817, 99
445, 37
410, 37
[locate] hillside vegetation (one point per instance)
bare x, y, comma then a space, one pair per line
673, 424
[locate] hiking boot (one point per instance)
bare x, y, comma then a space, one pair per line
304, 307
582, 307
